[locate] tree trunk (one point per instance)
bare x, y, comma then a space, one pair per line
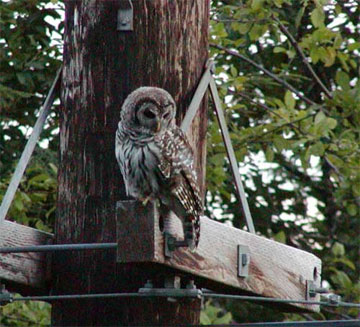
168, 49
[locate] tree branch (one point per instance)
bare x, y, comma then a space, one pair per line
258, 137
303, 57
266, 72
265, 107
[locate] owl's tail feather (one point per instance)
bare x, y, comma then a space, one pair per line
192, 232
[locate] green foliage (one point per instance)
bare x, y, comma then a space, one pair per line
302, 161
29, 58
25, 314
213, 315
34, 201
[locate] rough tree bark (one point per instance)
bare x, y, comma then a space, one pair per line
168, 48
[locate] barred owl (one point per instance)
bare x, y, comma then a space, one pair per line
156, 159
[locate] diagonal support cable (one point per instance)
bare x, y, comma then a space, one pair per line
29, 148
207, 81
231, 155
198, 97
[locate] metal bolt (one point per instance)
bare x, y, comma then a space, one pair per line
173, 282
312, 290
244, 259
149, 284
321, 290
334, 299
190, 285
5, 296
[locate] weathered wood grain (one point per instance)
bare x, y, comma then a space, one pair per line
23, 272
276, 270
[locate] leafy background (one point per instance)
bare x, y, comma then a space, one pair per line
289, 74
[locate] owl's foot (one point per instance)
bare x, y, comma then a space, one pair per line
189, 234
146, 200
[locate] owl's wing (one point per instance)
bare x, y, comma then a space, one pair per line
120, 155
177, 165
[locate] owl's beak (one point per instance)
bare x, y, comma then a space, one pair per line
158, 127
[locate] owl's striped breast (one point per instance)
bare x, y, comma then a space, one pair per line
138, 159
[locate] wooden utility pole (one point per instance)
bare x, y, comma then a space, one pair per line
167, 48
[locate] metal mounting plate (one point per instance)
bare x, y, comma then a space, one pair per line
125, 16
243, 260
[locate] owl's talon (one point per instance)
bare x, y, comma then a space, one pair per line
146, 200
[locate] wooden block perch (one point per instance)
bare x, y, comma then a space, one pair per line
26, 273
276, 270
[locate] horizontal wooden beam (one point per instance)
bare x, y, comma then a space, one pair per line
276, 270
26, 273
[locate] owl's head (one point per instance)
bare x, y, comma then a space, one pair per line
149, 110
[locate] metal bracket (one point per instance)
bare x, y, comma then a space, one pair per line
312, 290
5, 296
171, 244
334, 299
172, 289
243, 260
125, 16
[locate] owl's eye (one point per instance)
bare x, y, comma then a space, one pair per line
166, 116
149, 114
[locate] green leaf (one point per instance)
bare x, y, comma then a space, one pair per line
342, 279
319, 118
335, 160
38, 179
289, 100
279, 50
331, 123
338, 249
317, 17
338, 9
352, 209
212, 312
329, 59
18, 204
21, 78
257, 31
356, 188
299, 16
233, 71
280, 237
257, 4
280, 143
269, 154
342, 79
204, 319
346, 262
317, 149
225, 319
242, 28
354, 46
53, 168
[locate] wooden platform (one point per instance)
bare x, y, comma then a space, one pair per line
276, 270
26, 273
